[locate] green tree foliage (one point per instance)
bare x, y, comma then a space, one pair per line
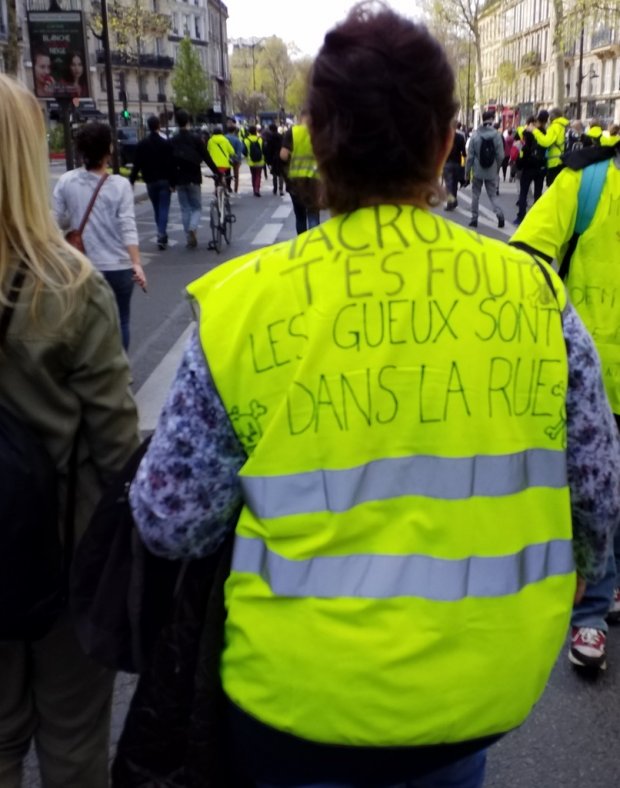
266, 75
460, 52
298, 91
130, 24
460, 19
189, 82
276, 70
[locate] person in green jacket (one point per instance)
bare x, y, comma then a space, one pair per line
64, 375
554, 140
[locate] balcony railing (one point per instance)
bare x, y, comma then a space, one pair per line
146, 60
144, 96
161, 98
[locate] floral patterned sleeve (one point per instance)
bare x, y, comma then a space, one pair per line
593, 453
186, 495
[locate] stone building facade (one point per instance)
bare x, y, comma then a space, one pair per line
205, 21
519, 63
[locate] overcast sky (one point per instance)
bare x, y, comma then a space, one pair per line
303, 22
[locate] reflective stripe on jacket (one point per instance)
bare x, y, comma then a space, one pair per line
303, 163
403, 562
593, 280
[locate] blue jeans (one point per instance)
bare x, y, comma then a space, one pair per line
593, 608
121, 283
305, 218
466, 773
159, 195
190, 200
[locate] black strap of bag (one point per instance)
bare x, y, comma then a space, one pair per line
69, 520
91, 204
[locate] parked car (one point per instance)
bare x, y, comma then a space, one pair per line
127, 142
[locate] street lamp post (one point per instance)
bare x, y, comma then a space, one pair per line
222, 67
468, 87
580, 74
105, 43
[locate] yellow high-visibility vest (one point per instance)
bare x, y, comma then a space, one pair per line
302, 163
593, 281
403, 570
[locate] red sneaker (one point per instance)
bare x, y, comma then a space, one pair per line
587, 648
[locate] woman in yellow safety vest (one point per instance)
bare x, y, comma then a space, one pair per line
384, 410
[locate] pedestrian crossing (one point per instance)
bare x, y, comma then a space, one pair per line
486, 217
151, 396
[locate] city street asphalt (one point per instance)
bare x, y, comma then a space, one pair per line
571, 740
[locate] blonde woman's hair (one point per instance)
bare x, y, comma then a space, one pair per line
28, 231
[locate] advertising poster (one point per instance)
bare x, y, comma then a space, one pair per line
58, 54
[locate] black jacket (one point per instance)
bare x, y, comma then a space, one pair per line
154, 159
458, 149
534, 157
188, 151
271, 149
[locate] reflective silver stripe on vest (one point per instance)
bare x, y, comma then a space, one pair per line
443, 478
386, 576
302, 166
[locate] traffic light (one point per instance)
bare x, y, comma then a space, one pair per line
126, 115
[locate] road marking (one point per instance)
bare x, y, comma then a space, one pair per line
483, 213
267, 235
283, 212
171, 241
153, 392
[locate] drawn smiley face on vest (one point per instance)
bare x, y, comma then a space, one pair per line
247, 425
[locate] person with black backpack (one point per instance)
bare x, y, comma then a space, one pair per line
67, 423
255, 157
484, 158
532, 164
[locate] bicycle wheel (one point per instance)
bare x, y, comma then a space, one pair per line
216, 229
228, 220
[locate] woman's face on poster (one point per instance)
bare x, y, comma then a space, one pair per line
76, 67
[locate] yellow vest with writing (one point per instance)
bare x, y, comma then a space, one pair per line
303, 163
593, 281
402, 572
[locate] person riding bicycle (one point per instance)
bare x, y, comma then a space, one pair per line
222, 153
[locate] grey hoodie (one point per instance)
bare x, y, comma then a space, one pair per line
473, 154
